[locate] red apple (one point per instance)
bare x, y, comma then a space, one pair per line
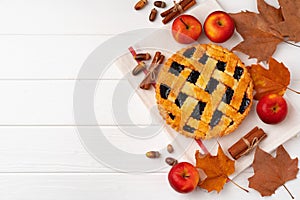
186, 29
218, 26
272, 108
183, 177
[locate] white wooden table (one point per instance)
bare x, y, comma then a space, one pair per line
43, 45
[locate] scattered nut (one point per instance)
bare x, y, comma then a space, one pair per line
140, 4
140, 67
152, 15
145, 86
171, 161
170, 148
160, 4
142, 56
153, 154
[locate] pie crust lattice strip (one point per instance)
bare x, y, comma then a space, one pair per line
204, 91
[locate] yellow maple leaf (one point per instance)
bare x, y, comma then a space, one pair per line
217, 169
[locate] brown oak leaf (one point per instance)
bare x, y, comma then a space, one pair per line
273, 80
290, 27
217, 169
260, 38
271, 173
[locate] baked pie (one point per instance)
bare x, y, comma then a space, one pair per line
204, 91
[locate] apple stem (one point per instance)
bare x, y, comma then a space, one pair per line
288, 191
237, 185
297, 92
186, 26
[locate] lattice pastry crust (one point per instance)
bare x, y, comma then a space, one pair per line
204, 91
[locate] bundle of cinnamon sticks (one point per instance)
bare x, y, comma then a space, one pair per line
151, 75
177, 9
247, 143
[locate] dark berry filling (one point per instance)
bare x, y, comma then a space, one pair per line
189, 52
180, 99
189, 129
238, 72
216, 118
221, 66
198, 110
203, 59
194, 75
164, 91
211, 85
176, 68
228, 95
245, 103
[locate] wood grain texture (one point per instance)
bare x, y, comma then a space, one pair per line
43, 46
60, 150
70, 17
50, 102
114, 186
42, 57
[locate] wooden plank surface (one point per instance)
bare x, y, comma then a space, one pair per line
116, 186
50, 102
43, 47
60, 149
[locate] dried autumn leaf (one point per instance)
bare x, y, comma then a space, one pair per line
217, 169
290, 27
273, 80
260, 38
271, 173
271, 15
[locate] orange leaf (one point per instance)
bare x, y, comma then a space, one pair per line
217, 169
271, 173
269, 81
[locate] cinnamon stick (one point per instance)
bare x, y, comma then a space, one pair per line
247, 143
169, 17
153, 71
182, 3
175, 11
189, 5
167, 12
